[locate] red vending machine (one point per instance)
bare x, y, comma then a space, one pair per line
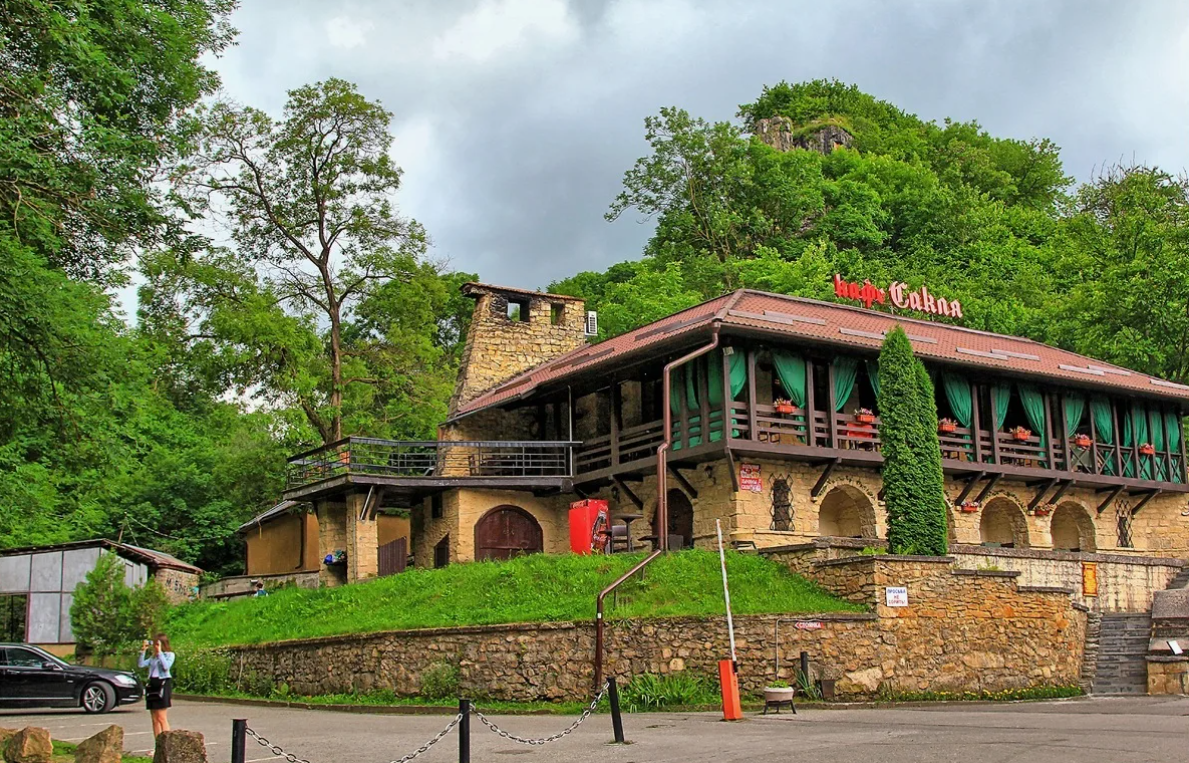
589, 524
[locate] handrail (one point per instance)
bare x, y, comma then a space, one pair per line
598, 666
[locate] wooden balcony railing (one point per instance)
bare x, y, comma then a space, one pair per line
368, 456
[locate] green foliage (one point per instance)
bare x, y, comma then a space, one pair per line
64, 753
912, 478
101, 612
440, 681
148, 606
1006, 695
537, 588
809, 690
651, 692
204, 671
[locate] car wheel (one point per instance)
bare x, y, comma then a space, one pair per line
98, 697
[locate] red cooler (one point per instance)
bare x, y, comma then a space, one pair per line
588, 519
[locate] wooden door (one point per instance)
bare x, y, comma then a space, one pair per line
394, 556
506, 532
681, 520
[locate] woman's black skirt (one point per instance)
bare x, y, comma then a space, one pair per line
159, 693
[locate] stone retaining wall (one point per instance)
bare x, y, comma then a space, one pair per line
961, 631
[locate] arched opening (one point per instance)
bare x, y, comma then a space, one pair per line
1003, 524
846, 512
681, 518
1072, 529
506, 532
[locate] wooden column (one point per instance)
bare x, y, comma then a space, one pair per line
752, 399
616, 422
810, 420
1065, 433
1139, 470
682, 404
1093, 437
1118, 440
728, 400
1048, 409
977, 424
994, 425
703, 396
1167, 450
830, 412
1184, 465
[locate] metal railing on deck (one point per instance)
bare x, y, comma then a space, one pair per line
390, 458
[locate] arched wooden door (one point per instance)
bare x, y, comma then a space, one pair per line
506, 532
681, 518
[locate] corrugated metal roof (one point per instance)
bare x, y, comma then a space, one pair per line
281, 508
127, 550
846, 326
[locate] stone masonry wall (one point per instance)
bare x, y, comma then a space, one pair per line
961, 631
179, 585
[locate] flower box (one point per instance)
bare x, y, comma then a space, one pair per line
947, 426
1147, 449
969, 507
1043, 511
864, 416
784, 407
1081, 440
1020, 434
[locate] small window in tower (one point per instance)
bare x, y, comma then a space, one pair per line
441, 553
557, 313
518, 310
435, 506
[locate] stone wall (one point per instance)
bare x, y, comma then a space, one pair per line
462, 510
332, 536
962, 630
241, 585
180, 585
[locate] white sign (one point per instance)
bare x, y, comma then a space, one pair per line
808, 625
1175, 647
896, 596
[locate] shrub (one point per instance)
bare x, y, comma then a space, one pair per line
101, 613
203, 672
440, 681
655, 692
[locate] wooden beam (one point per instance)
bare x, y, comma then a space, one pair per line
1041, 494
810, 419
728, 400
1061, 491
1144, 501
1118, 439
616, 422
366, 502
994, 427
703, 395
1064, 432
821, 481
830, 412
733, 469
1048, 411
1181, 431
988, 488
977, 422
1093, 436
623, 488
752, 402
688, 488
969, 486
1114, 493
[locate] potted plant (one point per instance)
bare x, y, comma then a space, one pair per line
1021, 434
1081, 440
947, 426
783, 405
969, 507
1044, 511
778, 691
1147, 449
865, 416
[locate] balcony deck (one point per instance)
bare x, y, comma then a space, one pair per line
407, 470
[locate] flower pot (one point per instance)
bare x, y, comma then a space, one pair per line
865, 418
1082, 441
947, 428
1021, 436
1147, 450
826, 687
785, 409
778, 694
969, 507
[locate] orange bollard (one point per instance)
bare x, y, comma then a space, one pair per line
729, 681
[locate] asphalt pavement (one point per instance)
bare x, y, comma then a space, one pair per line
1087, 730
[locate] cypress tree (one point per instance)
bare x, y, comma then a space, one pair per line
912, 479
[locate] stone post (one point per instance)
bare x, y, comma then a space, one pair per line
332, 537
363, 561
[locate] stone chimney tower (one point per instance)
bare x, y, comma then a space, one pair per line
513, 330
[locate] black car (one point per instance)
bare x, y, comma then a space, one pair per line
32, 677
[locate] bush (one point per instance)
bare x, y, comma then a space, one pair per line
655, 692
101, 614
203, 672
440, 681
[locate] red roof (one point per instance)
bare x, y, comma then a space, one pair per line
844, 325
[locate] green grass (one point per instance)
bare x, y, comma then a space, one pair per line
64, 753
1006, 695
538, 588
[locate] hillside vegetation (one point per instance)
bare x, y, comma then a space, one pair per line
539, 588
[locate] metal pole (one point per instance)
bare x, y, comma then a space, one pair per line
464, 731
805, 666
239, 735
616, 716
726, 591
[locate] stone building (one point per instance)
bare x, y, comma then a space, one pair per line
774, 431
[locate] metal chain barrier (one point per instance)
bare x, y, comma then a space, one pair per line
278, 750
546, 740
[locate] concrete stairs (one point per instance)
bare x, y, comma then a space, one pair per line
1181, 580
1121, 666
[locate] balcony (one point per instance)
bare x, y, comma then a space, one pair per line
413, 467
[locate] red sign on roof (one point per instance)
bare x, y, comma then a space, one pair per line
899, 294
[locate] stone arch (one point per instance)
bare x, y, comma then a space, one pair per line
506, 532
1072, 528
847, 512
1003, 523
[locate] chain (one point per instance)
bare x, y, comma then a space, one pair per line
278, 750
538, 742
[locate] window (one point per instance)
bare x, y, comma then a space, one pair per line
441, 553
435, 506
1123, 524
12, 617
23, 658
782, 505
557, 313
518, 310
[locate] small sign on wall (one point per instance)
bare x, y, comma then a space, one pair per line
1089, 578
808, 625
750, 479
896, 596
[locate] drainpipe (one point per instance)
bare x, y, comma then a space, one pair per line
662, 505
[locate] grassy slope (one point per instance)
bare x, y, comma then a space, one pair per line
537, 588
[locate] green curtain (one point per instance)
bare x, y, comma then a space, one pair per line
676, 395
873, 375
1034, 409
1128, 445
1075, 409
737, 365
1172, 433
957, 392
1002, 393
695, 378
791, 370
1104, 429
1139, 423
1156, 426
846, 368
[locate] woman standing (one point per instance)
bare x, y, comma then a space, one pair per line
159, 692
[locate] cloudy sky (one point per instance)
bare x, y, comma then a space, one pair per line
515, 119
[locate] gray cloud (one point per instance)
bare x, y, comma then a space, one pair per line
515, 119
